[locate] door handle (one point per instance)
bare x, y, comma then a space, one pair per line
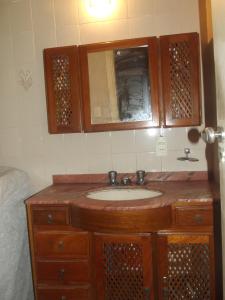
209, 135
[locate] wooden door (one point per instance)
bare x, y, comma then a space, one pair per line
212, 26
186, 267
123, 267
63, 89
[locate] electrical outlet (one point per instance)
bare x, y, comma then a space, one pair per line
161, 146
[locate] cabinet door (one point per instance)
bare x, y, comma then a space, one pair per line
123, 267
180, 79
62, 89
185, 267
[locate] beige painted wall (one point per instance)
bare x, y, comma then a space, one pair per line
28, 26
218, 16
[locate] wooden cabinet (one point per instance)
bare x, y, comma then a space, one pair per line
123, 266
120, 84
60, 255
185, 267
175, 263
180, 79
127, 94
63, 89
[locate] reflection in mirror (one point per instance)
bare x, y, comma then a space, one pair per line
119, 85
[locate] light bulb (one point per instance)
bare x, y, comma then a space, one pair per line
100, 8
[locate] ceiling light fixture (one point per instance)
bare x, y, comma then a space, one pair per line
100, 8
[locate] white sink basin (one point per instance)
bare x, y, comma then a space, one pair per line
118, 194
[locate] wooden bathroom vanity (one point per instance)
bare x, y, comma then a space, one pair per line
156, 248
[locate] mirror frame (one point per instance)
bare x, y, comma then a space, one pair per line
153, 58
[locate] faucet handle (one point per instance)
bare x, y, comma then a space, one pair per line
112, 177
140, 176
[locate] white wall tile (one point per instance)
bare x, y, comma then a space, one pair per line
5, 26
6, 51
11, 143
145, 140
8, 99
66, 14
143, 26
54, 157
75, 151
123, 141
94, 32
67, 35
23, 47
99, 163
43, 25
98, 143
20, 14
149, 162
124, 162
140, 8
175, 14
32, 141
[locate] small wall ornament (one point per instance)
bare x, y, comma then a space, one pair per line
25, 79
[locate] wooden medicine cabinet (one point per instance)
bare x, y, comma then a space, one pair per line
63, 89
121, 85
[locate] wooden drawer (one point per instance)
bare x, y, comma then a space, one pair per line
193, 216
66, 245
64, 273
50, 215
79, 293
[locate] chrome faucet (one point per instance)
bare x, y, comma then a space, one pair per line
126, 181
112, 177
140, 177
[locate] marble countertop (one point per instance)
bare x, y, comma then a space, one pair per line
196, 192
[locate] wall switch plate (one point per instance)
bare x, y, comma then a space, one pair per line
161, 146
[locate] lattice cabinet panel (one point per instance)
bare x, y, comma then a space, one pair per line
123, 267
62, 89
180, 79
186, 267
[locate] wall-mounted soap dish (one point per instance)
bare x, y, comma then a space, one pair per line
187, 157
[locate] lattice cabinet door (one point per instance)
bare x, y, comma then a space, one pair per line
180, 79
185, 267
62, 89
123, 267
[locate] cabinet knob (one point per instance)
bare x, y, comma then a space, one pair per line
61, 274
61, 245
198, 219
63, 298
50, 218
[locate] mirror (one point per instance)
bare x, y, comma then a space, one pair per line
120, 85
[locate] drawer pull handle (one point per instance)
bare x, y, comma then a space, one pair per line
63, 298
50, 218
61, 245
61, 274
198, 219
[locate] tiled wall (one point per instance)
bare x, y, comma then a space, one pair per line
28, 26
